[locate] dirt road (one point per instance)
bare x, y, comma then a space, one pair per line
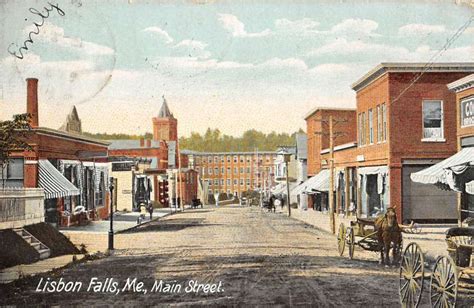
252, 257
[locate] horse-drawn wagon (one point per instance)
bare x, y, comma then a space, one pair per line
451, 279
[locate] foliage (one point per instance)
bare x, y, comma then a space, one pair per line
12, 138
214, 141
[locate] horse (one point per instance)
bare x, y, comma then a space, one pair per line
389, 235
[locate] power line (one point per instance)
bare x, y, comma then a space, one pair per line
430, 63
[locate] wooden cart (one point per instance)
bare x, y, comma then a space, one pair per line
450, 278
360, 233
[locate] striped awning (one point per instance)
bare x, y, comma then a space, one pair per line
470, 188
319, 182
436, 174
55, 185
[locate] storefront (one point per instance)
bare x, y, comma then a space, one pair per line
456, 173
374, 185
316, 188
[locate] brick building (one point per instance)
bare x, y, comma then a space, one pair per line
406, 121
456, 173
69, 167
236, 172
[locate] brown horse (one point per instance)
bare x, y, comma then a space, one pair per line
389, 236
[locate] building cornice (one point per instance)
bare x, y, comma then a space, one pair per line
316, 109
462, 84
341, 147
384, 68
66, 135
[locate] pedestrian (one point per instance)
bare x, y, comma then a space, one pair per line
150, 210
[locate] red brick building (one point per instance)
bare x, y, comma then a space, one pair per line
68, 166
236, 172
406, 121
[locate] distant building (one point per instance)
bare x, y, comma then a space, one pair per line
235, 172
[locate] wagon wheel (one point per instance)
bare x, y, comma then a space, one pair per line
341, 239
350, 242
412, 269
444, 283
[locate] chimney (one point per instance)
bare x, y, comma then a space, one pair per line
32, 100
148, 143
142, 142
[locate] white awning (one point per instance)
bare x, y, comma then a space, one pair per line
281, 188
470, 188
436, 173
55, 185
300, 188
372, 170
319, 182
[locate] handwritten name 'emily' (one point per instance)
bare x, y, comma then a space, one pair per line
43, 16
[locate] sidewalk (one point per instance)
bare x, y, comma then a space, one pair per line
15, 272
122, 221
431, 239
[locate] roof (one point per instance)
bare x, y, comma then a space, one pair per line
462, 84
301, 146
236, 153
399, 67
127, 144
316, 109
188, 152
68, 135
165, 110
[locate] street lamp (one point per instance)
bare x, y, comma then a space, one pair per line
111, 231
287, 157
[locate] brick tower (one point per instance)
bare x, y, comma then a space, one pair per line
165, 126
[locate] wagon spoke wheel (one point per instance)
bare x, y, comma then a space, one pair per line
444, 283
341, 239
350, 241
412, 269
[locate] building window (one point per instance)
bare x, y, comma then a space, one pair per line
241, 170
379, 124
228, 159
216, 191
216, 182
12, 173
363, 129
433, 120
228, 170
222, 170
236, 170
216, 171
241, 182
371, 126
248, 182
216, 159
209, 170
248, 159
241, 159
222, 182
228, 182
248, 170
384, 122
209, 159
235, 159
222, 158
235, 182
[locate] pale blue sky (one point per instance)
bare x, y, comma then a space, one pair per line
226, 64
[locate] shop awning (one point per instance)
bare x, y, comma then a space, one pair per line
300, 188
470, 188
372, 170
55, 185
319, 182
436, 173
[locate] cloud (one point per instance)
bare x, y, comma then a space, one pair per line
160, 33
193, 48
52, 34
356, 26
232, 24
343, 46
420, 29
301, 26
329, 68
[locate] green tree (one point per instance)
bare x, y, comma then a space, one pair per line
13, 138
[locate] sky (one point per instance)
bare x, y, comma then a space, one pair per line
231, 65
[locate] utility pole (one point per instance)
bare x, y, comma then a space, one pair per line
332, 222
287, 159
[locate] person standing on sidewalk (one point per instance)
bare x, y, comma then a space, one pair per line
150, 210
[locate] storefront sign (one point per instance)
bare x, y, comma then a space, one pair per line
123, 166
467, 112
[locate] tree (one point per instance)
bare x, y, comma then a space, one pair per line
12, 138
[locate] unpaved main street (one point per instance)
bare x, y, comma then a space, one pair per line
260, 258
